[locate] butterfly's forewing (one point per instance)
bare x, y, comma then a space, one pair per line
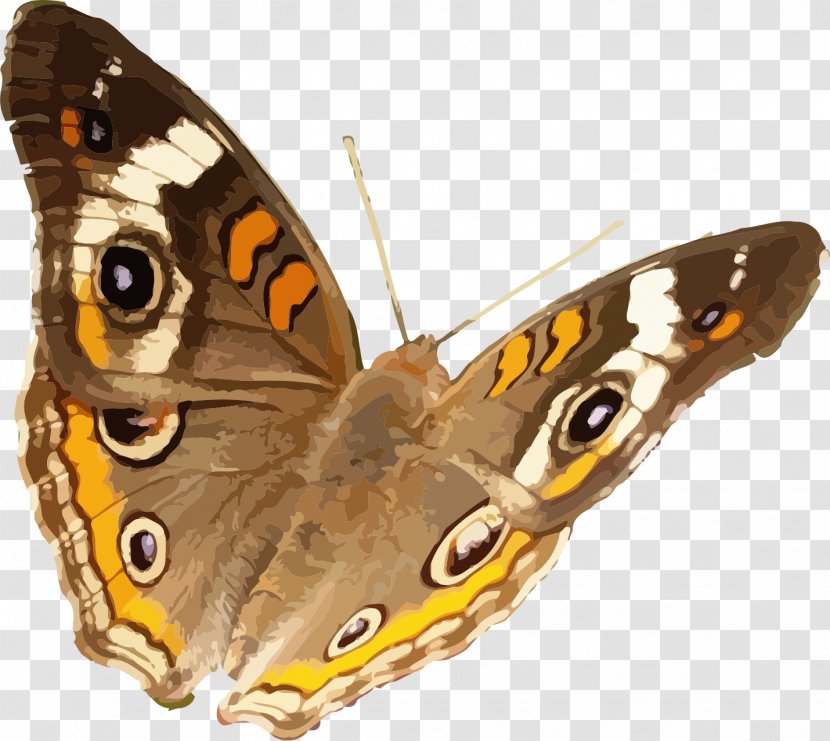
188, 329
571, 401
121, 153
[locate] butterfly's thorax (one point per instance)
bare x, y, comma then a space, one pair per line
374, 423
419, 361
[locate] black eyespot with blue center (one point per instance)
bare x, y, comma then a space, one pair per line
359, 629
143, 550
710, 317
124, 425
97, 129
127, 278
594, 415
144, 546
353, 632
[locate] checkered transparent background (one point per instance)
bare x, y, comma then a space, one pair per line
495, 136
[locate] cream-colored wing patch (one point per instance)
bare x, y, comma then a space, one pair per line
185, 153
132, 201
654, 311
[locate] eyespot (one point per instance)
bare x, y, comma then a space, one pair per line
467, 546
143, 546
139, 434
710, 317
594, 415
127, 278
359, 629
97, 130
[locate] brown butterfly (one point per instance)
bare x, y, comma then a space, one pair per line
221, 480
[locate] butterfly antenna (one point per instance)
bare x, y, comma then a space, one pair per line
348, 142
546, 272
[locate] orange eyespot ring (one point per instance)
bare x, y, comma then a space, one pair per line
730, 324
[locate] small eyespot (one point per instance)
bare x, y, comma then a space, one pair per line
124, 425
127, 278
710, 317
467, 546
472, 546
139, 434
143, 545
594, 415
97, 129
357, 631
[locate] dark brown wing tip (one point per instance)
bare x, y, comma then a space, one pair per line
801, 229
25, 10
26, 7
809, 239
23, 14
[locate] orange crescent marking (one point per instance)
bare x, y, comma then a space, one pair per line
288, 290
251, 231
513, 362
70, 117
730, 324
102, 506
567, 329
91, 333
70, 133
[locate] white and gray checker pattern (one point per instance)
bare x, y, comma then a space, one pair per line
495, 136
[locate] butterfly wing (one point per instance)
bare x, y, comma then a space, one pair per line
395, 558
211, 253
567, 405
429, 526
188, 329
155, 557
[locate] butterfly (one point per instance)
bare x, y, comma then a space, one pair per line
220, 478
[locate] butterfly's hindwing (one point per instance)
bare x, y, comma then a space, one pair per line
188, 330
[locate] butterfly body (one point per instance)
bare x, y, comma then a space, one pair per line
221, 480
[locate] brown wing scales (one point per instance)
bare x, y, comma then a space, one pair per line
98, 119
571, 401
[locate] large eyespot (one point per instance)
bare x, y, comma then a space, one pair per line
593, 416
140, 435
143, 547
127, 278
359, 629
467, 546
710, 317
97, 130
